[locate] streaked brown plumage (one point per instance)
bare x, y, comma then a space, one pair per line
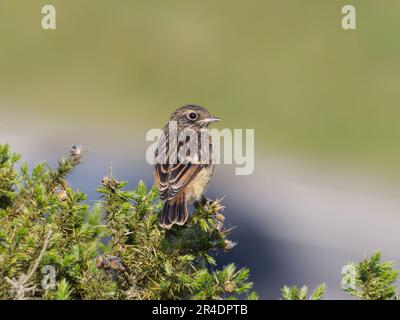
184, 181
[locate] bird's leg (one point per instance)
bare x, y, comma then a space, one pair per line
201, 203
197, 205
204, 201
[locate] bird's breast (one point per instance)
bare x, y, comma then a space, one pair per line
196, 188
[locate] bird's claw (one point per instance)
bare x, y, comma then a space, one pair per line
202, 203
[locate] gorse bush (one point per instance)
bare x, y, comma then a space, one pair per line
54, 246
43, 222
294, 293
148, 262
371, 279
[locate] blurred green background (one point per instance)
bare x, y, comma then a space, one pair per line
314, 93
285, 68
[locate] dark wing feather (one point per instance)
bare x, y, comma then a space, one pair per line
169, 183
170, 179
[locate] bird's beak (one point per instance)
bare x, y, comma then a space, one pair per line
210, 120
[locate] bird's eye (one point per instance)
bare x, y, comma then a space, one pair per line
192, 116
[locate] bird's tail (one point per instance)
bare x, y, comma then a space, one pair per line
175, 211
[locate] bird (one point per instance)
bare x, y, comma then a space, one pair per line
184, 180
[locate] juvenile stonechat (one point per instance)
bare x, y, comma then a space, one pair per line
182, 179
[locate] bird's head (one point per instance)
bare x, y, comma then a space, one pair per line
193, 116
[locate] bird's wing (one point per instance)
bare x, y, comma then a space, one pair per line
170, 179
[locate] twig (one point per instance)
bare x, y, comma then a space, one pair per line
20, 287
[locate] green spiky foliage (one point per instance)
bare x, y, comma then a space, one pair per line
371, 279
296, 293
43, 222
53, 246
149, 262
